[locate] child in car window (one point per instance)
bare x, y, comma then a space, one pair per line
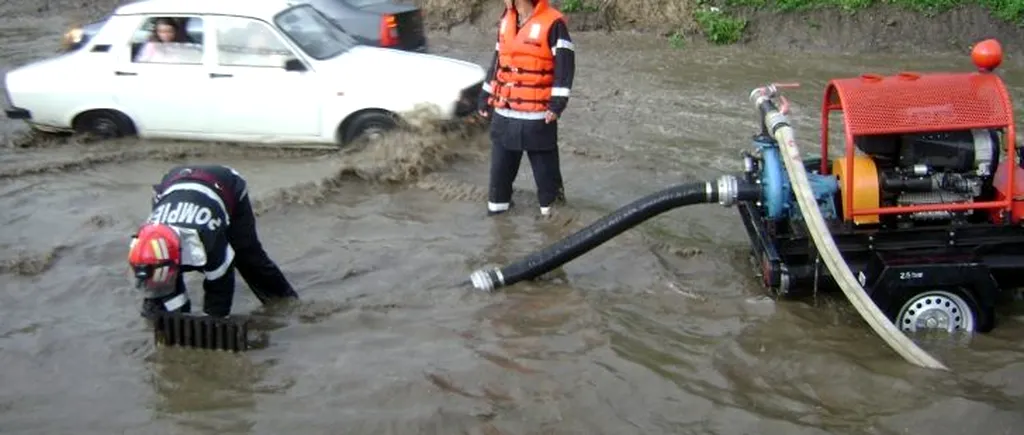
168, 44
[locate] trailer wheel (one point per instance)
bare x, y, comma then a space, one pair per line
950, 310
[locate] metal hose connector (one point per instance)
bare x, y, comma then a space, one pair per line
487, 280
728, 190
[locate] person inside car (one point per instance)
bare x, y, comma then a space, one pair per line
169, 44
165, 30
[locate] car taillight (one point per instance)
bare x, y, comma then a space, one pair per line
388, 31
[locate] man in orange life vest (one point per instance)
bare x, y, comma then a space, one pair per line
527, 89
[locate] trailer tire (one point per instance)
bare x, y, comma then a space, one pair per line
954, 309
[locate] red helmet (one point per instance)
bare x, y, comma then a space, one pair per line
155, 259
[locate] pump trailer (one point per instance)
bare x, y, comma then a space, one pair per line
925, 202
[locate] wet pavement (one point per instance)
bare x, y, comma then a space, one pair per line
664, 329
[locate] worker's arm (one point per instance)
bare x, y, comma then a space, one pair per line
486, 94
219, 285
565, 66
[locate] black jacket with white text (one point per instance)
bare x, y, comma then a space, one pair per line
201, 198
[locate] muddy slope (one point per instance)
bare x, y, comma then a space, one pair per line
881, 28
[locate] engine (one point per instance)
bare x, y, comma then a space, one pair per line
933, 168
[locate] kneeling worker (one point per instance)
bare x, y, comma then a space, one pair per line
528, 88
202, 220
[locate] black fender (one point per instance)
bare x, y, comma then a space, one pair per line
891, 278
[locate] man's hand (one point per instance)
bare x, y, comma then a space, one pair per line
550, 117
482, 113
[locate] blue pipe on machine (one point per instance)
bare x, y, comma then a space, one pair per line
775, 188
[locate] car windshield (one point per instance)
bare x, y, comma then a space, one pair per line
313, 33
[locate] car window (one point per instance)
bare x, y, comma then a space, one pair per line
169, 40
249, 42
315, 35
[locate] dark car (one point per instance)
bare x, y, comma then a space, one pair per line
381, 23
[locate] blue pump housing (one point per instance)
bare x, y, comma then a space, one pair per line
777, 197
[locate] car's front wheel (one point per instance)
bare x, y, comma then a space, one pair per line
104, 124
368, 126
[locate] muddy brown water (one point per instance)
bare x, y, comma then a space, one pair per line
662, 330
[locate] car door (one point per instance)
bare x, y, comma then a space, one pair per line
159, 84
251, 92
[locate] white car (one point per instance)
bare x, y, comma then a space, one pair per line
261, 71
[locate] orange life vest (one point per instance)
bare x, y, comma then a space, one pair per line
526, 66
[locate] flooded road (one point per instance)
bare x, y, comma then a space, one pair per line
662, 330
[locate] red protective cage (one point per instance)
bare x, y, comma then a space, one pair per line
920, 103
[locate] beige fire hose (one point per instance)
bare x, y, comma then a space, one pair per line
777, 122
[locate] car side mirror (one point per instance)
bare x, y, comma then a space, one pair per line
294, 64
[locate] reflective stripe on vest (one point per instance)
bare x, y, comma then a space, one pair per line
526, 66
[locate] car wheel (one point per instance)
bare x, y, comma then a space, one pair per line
947, 310
104, 124
368, 126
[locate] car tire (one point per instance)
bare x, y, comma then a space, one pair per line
104, 124
367, 126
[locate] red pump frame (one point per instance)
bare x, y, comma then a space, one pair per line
918, 103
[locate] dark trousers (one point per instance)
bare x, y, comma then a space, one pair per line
262, 275
510, 138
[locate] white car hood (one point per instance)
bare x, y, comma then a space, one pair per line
405, 68
33, 70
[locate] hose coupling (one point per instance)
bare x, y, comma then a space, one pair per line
728, 190
757, 95
776, 119
487, 280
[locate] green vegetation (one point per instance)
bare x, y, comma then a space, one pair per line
719, 27
677, 40
1007, 10
570, 6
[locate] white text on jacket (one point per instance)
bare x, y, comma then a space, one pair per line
185, 213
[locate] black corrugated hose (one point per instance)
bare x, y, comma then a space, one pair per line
726, 192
